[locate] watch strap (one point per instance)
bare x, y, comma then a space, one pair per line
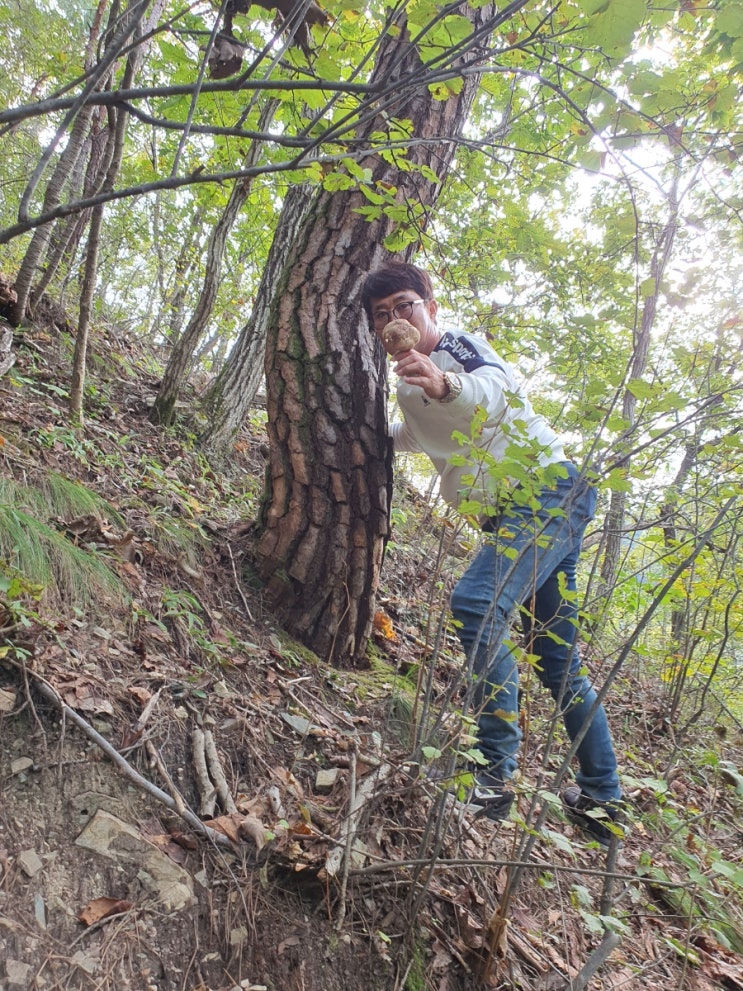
454, 383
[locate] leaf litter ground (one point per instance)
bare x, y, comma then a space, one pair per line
324, 861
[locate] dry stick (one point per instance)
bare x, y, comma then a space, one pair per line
190, 817
217, 774
599, 957
391, 866
358, 798
34, 713
206, 787
350, 832
157, 760
607, 891
147, 711
246, 607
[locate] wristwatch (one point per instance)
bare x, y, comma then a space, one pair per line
454, 383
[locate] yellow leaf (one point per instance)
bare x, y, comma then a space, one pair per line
383, 625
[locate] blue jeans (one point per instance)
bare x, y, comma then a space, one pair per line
529, 561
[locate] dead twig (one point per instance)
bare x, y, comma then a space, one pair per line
217, 774
50, 694
157, 760
599, 957
206, 787
350, 833
147, 712
246, 607
607, 892
341, 856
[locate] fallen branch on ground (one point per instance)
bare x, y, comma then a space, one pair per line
50, 694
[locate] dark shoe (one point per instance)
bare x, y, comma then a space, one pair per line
490, 797
481, 792
603, 821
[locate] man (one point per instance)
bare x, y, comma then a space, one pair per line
501, 462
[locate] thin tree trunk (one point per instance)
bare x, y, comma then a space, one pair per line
112, 158
65, 164
79, 360
52, 196
118, 120
67, 233
173, 310
614, 524
163, 410
231, 395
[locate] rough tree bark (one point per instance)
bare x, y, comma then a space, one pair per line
324, 518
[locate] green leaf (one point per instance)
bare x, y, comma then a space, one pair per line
592, 161
338, 181
452, 30
612, 24
730, 20
641, 389
617, 423
617, 481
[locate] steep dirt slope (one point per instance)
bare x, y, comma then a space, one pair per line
190, 800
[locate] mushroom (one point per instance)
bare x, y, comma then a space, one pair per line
399, 335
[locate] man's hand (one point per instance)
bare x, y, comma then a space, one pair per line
418, 369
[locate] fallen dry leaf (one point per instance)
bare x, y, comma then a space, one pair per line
103, 908
383, 625
236, 827
7, 700
142, 695
169, 847
228, 825
83, 698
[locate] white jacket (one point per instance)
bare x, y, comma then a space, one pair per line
492, 413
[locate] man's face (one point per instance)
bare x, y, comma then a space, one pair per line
407, 304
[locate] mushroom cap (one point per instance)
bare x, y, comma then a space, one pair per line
399, 335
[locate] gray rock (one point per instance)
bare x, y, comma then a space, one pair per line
116, 840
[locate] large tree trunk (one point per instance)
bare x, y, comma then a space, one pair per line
231, 395
324, 519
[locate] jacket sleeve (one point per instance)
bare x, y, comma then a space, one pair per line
487, 380
402, 437
488, 388
487, 384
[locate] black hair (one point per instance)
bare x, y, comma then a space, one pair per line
394, 277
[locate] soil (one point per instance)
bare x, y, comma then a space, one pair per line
327, 862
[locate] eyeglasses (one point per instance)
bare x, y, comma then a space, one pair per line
403, 311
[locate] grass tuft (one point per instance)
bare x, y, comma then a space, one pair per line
71, 575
